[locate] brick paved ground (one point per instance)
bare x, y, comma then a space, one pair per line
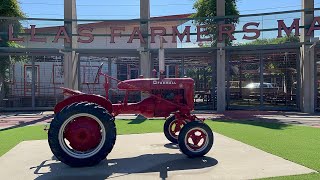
13, 120
19, 119
295, 118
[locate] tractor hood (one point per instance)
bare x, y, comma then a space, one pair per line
146, 84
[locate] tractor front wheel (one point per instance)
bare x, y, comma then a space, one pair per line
171, 129
82, 134
195, 139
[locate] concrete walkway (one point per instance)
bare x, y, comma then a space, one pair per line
150, 156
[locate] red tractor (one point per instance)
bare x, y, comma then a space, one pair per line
83, 131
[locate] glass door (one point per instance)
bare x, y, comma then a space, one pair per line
244, 81
280, 80
28, 79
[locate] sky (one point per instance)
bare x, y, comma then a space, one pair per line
129, 9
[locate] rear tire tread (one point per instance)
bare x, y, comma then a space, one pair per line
166, 129
89, 108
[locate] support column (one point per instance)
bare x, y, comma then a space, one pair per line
110, 82
307, 61
109, 66
167, 71
183, 74
71, 60
145, 62
221, 64
214, 81
33, 83
153, 56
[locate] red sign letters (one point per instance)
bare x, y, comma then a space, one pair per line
85, 33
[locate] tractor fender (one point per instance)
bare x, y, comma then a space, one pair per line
90, 98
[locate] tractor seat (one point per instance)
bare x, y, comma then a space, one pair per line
70, 92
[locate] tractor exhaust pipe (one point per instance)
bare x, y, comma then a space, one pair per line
161, 58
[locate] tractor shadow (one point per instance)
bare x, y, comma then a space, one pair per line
171, 146
138, 120
148, 163
25, 122
269, 124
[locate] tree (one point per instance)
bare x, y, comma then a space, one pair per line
207, 8
282, 40
8, 8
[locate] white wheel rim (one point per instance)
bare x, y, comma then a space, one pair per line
170, 128
78, 154
206, 143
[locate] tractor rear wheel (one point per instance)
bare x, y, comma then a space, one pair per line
82, 134
195, 139
171, 129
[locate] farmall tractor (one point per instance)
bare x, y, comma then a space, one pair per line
83, 131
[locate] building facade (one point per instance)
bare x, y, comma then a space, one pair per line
260, 77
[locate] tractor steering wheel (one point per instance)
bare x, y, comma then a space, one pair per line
98, 73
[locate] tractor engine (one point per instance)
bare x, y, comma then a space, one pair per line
170, 98
164, 96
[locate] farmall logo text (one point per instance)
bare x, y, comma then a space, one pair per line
163, 82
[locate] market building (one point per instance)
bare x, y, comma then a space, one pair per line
240, 75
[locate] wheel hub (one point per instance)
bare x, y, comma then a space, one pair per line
83, 134
196, 139
175, 127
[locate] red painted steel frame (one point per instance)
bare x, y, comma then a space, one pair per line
153, 106
80, 97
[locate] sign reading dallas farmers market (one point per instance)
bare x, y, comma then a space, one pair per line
250, 29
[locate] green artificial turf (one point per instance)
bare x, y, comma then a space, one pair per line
296, 143
312, 176
139, 126
299, 144
11, 137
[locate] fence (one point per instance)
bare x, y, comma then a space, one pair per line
256, 76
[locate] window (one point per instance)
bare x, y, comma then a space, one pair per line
172, 71
122, 72
134, 72
10, 74
89, 74
58, 76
